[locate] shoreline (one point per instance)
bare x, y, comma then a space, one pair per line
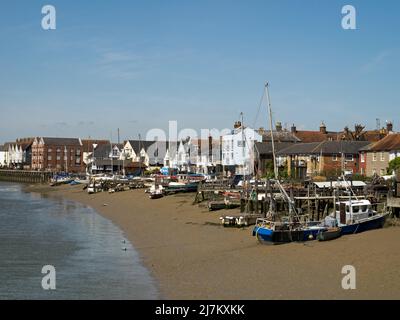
190, 256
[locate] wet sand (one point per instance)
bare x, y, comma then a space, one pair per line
193, 257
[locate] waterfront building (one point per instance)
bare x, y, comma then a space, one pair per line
238, 149
57, 154
2, 156
136, 151
88, 146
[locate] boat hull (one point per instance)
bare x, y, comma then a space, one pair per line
285, 236
376, 222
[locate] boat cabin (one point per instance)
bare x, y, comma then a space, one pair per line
348, 212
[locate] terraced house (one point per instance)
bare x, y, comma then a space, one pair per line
328, 158
375, 157
57, 154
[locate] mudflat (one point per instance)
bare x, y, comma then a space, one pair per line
193, 257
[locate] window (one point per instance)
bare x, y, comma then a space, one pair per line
349, 157
78, 152
58, 150
58, 158
374, 156
362, 157
49, 150
334, 157
241, 143
356, 209
382, 156
49, 158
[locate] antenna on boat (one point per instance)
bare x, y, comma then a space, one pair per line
271, 130
292, 207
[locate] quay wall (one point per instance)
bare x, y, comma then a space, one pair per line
25, 176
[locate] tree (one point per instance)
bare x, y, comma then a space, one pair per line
394, 165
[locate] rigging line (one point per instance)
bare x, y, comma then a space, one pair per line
259, 108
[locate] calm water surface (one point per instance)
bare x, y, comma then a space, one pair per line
85, 249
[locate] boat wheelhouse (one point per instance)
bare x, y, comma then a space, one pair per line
355, 216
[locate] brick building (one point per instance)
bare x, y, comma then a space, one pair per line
375, 157
327, 158
57, 154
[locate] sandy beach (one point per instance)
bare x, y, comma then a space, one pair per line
192, 257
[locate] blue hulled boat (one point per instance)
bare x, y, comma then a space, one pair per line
357, 216
283, 232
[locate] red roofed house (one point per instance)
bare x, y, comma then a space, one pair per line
375, 157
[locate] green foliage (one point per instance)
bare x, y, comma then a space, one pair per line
359, 177
269, 171
394, 165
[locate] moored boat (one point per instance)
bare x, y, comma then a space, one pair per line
355, 216
329, 234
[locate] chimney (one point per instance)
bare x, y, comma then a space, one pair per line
237, 125
293, 129
261, 131
322, 128
389, 126
278, 126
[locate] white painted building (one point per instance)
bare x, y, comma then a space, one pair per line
238, 150
3, 152
205, 155
136, 151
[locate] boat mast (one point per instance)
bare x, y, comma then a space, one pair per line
271, 130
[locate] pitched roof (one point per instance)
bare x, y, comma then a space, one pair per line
280, 136
62, 141
266, 147
299, 148
87, 144
104, 150
137, 145
389, 143
310, 136
324, 147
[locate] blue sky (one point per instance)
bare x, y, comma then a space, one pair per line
134, 65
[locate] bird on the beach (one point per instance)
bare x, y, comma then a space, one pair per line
123, 248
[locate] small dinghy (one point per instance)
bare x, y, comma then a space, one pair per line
329, 234
156, 195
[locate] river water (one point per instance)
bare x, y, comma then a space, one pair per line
86, 250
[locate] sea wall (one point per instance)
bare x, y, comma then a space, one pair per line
25, 176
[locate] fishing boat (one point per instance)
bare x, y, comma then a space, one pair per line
355, 216
292, 227
276, 232
156, 192
182, 186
